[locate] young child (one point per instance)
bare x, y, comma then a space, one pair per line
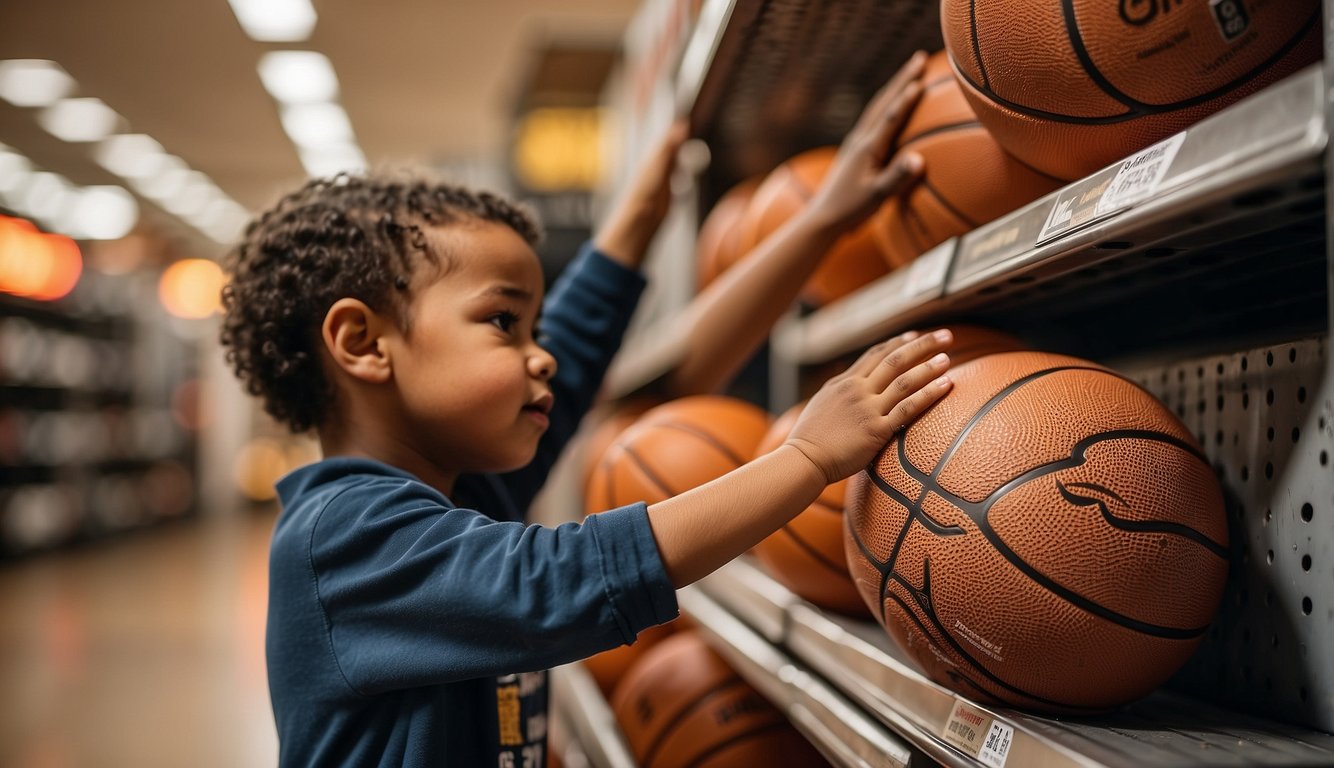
411, 611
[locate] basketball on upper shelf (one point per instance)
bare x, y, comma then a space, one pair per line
608, 667
853, 261
611, 420
675, 447
682, 705
967, 178
719, 244
1047, 536
1071, 86
806, 555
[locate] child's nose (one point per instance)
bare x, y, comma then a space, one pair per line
541, 364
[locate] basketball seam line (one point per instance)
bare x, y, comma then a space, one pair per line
708, 438
681, 714
815, 554
780, 724
648, 472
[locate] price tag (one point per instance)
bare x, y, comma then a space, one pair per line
927, 272
1140, 175
978, 735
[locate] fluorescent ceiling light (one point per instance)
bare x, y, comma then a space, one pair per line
77, 120
195, 196
316, 125
130, 155
100, 213
296, 77
14, 170
33, 82
327, 161
223, 221
275, 20
170, 178
46, 195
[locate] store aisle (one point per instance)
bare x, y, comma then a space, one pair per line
146, 650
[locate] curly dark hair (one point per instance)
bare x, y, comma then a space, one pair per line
358, 236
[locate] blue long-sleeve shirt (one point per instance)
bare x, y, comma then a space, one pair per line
410, 629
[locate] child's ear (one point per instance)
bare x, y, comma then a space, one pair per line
354, 335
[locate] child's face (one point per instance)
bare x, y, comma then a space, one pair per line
471, 377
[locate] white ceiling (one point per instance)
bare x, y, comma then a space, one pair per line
422, 80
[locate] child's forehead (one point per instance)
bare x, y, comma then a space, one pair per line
481, 247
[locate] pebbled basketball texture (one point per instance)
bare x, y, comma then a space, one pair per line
720, 242
1070, 86
1047, 536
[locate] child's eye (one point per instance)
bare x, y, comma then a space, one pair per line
504, 320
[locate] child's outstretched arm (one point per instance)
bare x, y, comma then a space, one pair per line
729, 319
626, 233
843, 427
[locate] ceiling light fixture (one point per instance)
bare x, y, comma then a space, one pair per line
79, 120
130, 155
298, 77
275, 21
33, 82
316, 125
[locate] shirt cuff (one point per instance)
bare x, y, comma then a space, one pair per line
636, 580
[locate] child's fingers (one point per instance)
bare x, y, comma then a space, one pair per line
927, 385
900, 174
880, 105
900, 360
887, 127
875, 355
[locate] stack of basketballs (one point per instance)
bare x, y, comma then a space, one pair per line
1048, 536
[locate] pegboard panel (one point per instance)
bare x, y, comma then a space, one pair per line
1265, 417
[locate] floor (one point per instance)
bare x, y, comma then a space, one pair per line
145, 650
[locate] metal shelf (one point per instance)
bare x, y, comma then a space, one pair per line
576, 698
861, 665
1234, 216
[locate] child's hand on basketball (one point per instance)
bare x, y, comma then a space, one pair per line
855, 413
862, 176
634, 221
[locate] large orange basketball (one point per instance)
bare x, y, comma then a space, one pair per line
720, 244
608, 667
610, 421
682, 705
1047, 536
1070, 86
806, 555
675, 447
967, 178
853, 261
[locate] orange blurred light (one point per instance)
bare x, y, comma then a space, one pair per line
36, 265
66, 265
191, 288
257, 466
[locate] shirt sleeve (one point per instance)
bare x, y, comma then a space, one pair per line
583, 321
416, 593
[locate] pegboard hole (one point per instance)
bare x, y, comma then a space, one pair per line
1301, 394
1269, 359
1218, 437
1245, 363
1306, 606
1269, 397
1296, 434
1220, 403
1292, 355
1269, 558
1324, 458
1199, 372
1269, 470
1245, 473
1308, 512
1245, 400
1269, 434
1220, 371
1306, 562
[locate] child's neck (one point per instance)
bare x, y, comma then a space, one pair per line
355, 440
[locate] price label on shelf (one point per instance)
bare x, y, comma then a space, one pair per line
979, 735
1140, 175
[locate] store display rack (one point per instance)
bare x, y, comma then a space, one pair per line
1206, 279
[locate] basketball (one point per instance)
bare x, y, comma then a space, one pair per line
675, 447
852, 262
1070, 87
608, 423
806, 555
719, 244
1048, 536
967, 178
682, 705
608, 667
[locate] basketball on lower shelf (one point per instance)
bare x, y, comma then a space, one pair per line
1048, 536
682, 706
